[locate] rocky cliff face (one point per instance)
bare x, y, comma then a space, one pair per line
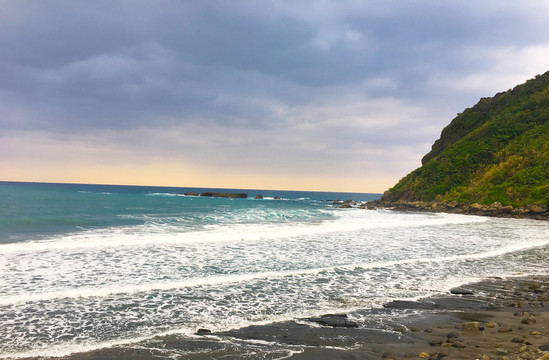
496, 152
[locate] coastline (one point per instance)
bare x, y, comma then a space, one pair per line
534, 212
497, 318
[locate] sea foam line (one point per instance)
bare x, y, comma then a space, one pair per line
146, 235
240, 278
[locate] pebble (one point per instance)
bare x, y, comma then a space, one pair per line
387, 355
436, 342
484, 357
518, 340
423, 355
529, 320
502, 351
492, 325
470, 326
453, 335
459, 345
505, 329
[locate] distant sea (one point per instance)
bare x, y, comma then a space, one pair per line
84, 267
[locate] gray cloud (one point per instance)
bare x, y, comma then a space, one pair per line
333, 78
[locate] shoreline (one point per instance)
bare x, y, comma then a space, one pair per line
496, 318
494, 210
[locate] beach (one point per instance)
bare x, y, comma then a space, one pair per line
492, 319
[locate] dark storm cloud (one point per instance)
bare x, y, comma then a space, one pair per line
76, 65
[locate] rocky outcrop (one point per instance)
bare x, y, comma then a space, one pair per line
224, 195
191, 193
495, 209
259, 196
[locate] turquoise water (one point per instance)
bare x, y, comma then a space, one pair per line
33, 211
87, 266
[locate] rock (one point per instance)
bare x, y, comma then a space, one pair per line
536, 208
501, 351
453, 335
277, 198
492, 325
191, 193
461, 291
523, 348
407, 304
400, 329
259, 196
519, 313
536, 333
423, 355
459, 345
529, 320
484, 357
224, 195
544, 347
387, 355
470, 326
345, 206
543, 357
436, 342
334, 320
518, 340
203, 332
505, 329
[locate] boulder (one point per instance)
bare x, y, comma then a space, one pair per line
461, 291
334, 320
259, 196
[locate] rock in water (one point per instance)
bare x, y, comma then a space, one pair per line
224, 195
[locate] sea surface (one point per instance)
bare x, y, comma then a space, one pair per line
86, 267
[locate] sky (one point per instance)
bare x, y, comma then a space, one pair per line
286, 95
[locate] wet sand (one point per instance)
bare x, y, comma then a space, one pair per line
493, 319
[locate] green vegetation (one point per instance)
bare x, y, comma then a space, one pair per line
497, 150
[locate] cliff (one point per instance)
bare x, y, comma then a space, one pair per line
495, 154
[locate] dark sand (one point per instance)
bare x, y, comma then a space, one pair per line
492, 319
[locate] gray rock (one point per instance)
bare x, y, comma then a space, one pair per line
334, 320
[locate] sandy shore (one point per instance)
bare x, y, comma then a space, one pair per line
493, 319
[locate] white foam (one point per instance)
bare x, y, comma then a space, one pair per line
168, 234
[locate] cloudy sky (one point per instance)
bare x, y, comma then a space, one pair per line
310, 95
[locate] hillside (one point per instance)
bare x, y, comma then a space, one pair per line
495, 153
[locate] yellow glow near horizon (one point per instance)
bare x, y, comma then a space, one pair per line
178, 176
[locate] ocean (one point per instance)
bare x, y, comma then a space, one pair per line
86, 267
